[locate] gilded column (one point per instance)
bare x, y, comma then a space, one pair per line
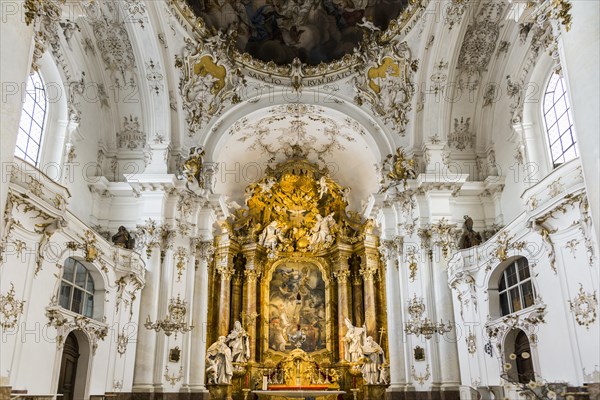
204, 254
236, 297
225, 274
252, 276
342, 275
368, 271
357, 300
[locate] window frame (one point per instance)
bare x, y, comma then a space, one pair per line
507, 290
73, 286
555, 162
39, 104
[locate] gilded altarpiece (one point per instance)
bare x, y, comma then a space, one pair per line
296, 268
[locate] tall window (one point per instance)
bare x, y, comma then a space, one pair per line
559, 122
515, 288
33, 116
77, 288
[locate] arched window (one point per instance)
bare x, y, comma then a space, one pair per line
77, 288
515, 288
33, 117
559, 121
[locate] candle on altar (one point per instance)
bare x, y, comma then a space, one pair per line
247, 386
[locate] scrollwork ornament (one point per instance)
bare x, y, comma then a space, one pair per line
181, 256
122, 341
10, 308
206, 251
422, 377
471, 340
387, 83
584, 306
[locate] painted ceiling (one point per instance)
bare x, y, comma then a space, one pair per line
314, 31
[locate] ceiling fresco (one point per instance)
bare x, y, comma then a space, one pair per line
314, 31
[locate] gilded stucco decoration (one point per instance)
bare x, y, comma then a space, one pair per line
46, 230
527, 322
181, 260
310, 32
10, 308
396, 169
283, 132
504, 243
292, 70
209, 81
89, 247
153, 235
584, 306
65, 322
420, 378
387, 83
295, 207
173, 378
122, 340
471, 340
547, 241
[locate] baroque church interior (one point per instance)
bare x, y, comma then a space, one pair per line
319, 199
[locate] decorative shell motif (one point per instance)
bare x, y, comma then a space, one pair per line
584, 306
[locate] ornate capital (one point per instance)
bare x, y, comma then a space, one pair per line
205, 250
252, 275
391, 249
226, 273
367, 273
342, 276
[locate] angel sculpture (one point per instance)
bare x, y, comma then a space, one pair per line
368, 25
322, 187
353, 341
192, 171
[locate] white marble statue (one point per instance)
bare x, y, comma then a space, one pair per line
269, 235
374, 359
321, 232
239, 342
219, 367
353, 342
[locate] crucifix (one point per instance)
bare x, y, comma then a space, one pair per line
381, 332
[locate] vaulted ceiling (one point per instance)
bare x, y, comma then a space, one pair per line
147, 79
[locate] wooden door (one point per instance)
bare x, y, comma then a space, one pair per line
68, 368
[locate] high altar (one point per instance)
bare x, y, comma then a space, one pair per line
303, 276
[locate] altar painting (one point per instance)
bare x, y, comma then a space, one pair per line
297, 301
